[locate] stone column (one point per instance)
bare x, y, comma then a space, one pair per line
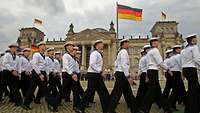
83, 63
109, 56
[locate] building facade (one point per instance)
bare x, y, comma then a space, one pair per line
166, 30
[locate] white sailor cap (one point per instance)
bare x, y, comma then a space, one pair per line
26, 49
147, 46
177, 46
41, 43
13, 45
57, 52
75, 48
70, 43
154, 39
98, 41
50, 49
191, 36
78, 52
124, 40
168, 51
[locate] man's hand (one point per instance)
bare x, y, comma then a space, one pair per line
75, 77
15, 73
170, 72
41, 77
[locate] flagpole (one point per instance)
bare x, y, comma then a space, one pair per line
117, 36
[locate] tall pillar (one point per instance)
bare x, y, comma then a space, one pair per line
109, 56
83, 62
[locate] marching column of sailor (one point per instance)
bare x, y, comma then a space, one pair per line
54, 75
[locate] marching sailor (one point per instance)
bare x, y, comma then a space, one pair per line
95, 79
39, 76
190, 60
154, 62
123, 79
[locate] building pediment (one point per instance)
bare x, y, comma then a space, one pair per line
90, 35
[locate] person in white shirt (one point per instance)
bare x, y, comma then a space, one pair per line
67, 71
169, 78
154, 62
58, 70
26, 70
123, 79
11, 75
76, 87
190, 61
78, 58
51, 71
39, 77
95, 79
178, 89
143, 76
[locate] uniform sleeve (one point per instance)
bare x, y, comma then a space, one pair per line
158, 58
140, 67
56, 66
34, 63
47, 66
196, 55
6, 63
93, 62
125, 62
19, 66
66, 64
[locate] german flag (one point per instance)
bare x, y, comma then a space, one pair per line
34, 48
129, 13
38, 21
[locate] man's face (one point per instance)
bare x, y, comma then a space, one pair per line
42, 47
70, 48
155, 43
27, 53
194, 41
78, 56
178, 50
74, 52
57, 56
51, 53
100, 46
126, 44
13, 49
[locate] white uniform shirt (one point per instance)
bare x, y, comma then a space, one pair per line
25, 64
68, 63
167, 63
51, 65
175, 63
96, 62
9, 63
57, 66
77, 67
154, 60
1, 65
142, 65
39, 63
190, 56
122, 63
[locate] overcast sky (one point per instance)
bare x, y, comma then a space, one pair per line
58, 14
